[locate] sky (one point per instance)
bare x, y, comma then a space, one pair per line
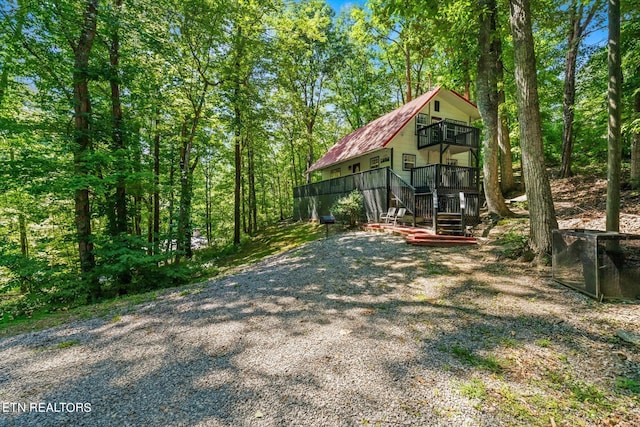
338, 4
598, 38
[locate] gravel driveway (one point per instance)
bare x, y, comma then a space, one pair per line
357, 329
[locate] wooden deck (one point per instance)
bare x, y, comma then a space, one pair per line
420, 236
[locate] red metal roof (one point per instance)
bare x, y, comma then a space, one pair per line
374, 135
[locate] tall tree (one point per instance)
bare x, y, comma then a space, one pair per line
488, 101
635, 144
579, 21
630, 46
538, 190
405, 31
308, 58
197, 40
615, 115
507, 180
245, 45
119, 221
361, 88
82, 138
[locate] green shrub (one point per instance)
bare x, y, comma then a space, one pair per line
349, 209
515, 245
125, 267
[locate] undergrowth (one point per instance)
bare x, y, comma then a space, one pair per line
46, 307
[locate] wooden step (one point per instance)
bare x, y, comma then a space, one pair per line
424, 236
450, 223
441, 242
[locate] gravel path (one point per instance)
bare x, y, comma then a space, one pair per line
357, 329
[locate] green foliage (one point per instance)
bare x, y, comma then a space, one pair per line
272, 240
289, 79
629, 384
125, 267
489, 363
350, 208
514, 244
474, 389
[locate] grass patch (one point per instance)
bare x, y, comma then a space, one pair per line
587, 393
489, 363
474, 389
629, 384
544, 342
66, 344
48, 319
510, 342
271, 241
434, 269
60, 346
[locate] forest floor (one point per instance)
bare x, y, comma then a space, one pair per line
580, 202
355, 329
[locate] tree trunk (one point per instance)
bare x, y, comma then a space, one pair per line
8, 58
310, 150
615, 113
119, 225
253, 203
578, 24
138, 196
507, 181
150, 246
541, 210
237, 200
24, 248
488, 106
294, 174
172, 201
207, 201
156, 187
82, 139
183, 239
237, 135
407, 70
635, 146
569, 95
118, 147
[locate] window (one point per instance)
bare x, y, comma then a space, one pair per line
335, 173
385, 159
374, 162
408, 161
436, 105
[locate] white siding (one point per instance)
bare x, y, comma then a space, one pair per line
405, 142
346, 167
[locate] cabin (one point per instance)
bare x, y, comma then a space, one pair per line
423, 156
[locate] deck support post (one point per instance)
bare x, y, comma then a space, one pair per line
435, 211
415, 208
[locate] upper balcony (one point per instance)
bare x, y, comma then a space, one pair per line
447, 132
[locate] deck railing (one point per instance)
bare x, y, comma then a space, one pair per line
449, 203
404, 192
367, 180
417, 197
444, 177
449, 133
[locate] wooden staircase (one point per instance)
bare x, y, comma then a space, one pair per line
449, 224
421, 236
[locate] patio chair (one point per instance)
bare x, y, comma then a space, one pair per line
399, 215
391, 213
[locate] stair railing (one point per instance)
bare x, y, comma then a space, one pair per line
403, 191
